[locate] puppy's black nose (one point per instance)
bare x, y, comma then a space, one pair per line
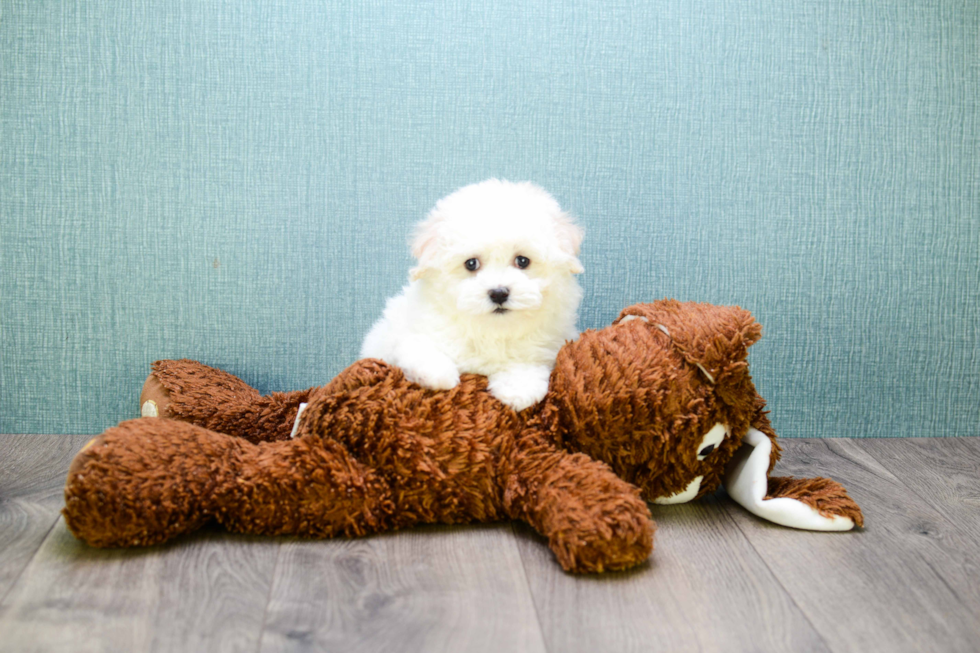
499, 295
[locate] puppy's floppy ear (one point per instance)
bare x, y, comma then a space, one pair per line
425, 244
569, 241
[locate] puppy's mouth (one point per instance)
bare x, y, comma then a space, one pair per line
500, 310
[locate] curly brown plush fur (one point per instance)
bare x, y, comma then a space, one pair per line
826, 496
626, 409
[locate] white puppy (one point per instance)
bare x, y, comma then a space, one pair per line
494, 293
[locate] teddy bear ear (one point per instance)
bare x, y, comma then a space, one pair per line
713, 338
691, 320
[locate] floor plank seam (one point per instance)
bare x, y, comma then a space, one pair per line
530, 592
268, 598
950, 522
945, 582
775, 576
925, 498
41, 541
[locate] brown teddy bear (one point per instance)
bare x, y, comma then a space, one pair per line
658, 406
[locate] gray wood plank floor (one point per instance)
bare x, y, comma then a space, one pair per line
719, 580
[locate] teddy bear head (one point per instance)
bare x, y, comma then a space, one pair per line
663, 396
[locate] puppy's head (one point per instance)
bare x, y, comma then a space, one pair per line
497, 248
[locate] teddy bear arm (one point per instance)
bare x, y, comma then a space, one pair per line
817, 504
760, 422
826, 497
191, 392
594, 521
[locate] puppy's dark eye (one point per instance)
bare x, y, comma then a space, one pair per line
522, 262
706, 451
472, 264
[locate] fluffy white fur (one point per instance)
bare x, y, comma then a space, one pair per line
445, 323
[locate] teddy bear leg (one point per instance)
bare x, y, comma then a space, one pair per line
594, 520
154, 399
309, 486
216, 400
146, 481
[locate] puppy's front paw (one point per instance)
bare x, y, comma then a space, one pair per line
435, 374
521, 386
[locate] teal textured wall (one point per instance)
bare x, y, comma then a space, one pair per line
234, 181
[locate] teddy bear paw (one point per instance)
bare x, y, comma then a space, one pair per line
154, 399
826, 498
619, 544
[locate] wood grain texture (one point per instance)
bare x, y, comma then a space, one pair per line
32, 475
206, 592
944, 472
704, 589
906, 582
428, 589
719, 579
